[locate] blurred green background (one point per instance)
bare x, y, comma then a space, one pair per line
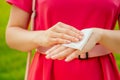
12, 62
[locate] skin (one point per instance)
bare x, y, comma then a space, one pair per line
17, 33
50, 40
108, 38
61, 52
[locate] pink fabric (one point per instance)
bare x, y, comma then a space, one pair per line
25, 5
80, 14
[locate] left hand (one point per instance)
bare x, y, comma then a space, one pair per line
61, 52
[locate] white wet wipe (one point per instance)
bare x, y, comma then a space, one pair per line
79, 45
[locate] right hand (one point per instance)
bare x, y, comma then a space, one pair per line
60, 33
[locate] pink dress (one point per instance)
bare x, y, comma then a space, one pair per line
80, 14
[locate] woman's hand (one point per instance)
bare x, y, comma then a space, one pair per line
61, 52
58, 34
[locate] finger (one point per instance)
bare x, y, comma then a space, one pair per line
69, 32
51, 49
59, 41
63, 54
72, 56
69, 27
56, 51
64, 36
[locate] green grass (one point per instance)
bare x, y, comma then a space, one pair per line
12, 62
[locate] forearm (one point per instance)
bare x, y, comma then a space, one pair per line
20, 39
111, 40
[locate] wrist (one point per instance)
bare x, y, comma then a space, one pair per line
99, 34
36, 40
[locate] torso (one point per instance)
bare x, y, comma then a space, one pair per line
80, 14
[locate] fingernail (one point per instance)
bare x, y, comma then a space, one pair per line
80, 37
76, 39
46, 52
68, 41
66, 60
53, 57
48, 56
